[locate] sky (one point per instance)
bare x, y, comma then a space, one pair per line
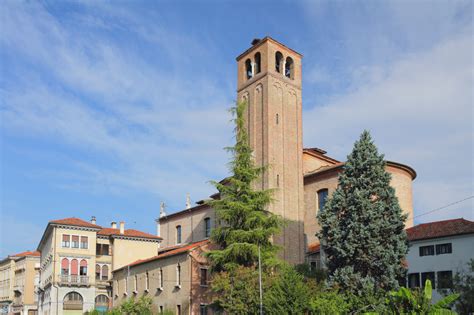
109, 108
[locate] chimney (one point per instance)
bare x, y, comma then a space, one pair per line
122, 227
188, 201
113, 225
93, 220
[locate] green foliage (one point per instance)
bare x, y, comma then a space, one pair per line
241, 210
463, 283
362, 226
140, 306
328, 302
406, 301
305, 270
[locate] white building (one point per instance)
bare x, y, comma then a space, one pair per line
438, 250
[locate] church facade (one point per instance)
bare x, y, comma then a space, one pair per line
269, 81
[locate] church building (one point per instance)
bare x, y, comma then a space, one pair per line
269, 79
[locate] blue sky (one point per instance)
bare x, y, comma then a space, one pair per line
108, 108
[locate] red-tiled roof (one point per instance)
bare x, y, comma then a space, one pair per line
75, 222
129, 232
314, 247
440, 229
180, 250
28, 253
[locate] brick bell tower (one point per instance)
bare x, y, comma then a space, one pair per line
269, 80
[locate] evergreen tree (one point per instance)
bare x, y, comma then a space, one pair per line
241, 212
362, 225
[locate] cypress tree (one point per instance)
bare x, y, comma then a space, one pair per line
362, 225
241, 212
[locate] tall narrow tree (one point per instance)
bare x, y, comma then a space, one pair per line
244, 223
362, 225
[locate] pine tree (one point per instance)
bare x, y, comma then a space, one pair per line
244, 223
362, 225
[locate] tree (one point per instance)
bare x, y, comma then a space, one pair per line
244, 222
463, 283
362, 225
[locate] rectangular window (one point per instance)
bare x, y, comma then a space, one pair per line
178, 275
444, 249
207, 227
102, 249
147, 281
428, 276
161, 278
322, 197
66, 241
427, 250
161, 309
84, 242
203, 309
75, 241
445, 279
178, 234
204, 277
413, 280
178, 309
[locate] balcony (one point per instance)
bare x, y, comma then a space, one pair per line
18, 288
74, 280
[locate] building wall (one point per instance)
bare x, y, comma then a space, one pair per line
462, 252
192, 226
311, 163
126, 251
7, 276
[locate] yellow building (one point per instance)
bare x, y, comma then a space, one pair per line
19, 278
77, 259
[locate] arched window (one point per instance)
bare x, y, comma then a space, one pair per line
83, 268
207, 227
322, 197
65, 267
102, 303
248, 69
74, 267
289, 68
178, 234
105, 272
73, 301
278, 61
258, 63
97, 272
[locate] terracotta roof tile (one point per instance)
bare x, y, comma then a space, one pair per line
183, 249
440, 229
28, 253
129, 232
75, 222
314, 247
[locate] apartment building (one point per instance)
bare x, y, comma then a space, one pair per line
77, 259
19, 279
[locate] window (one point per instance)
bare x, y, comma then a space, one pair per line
445, 279
178, 234
74, 267
66, 241
135, 284
413, 280
427, 250
178, 309
75, 241
277, 119
147, 281
84, 243
248, 69
73, 301
161, 278
65, 267
97, 272
203, 309
102, 302
178, 275
207, 227
105, 272
161, 309
102, 249
258, 59
289, 68
444, 249
83, 268
278, 180
428, 276
312, 265
278, 61
204, 277
322, 198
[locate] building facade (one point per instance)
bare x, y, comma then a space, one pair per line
439, 250
77, 259
19, 279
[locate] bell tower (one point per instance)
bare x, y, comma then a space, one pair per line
269, 80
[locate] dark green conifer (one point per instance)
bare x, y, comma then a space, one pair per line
362, 225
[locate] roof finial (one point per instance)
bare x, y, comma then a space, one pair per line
188, 201
162, 209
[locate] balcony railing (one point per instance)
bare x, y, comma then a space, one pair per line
74, 280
